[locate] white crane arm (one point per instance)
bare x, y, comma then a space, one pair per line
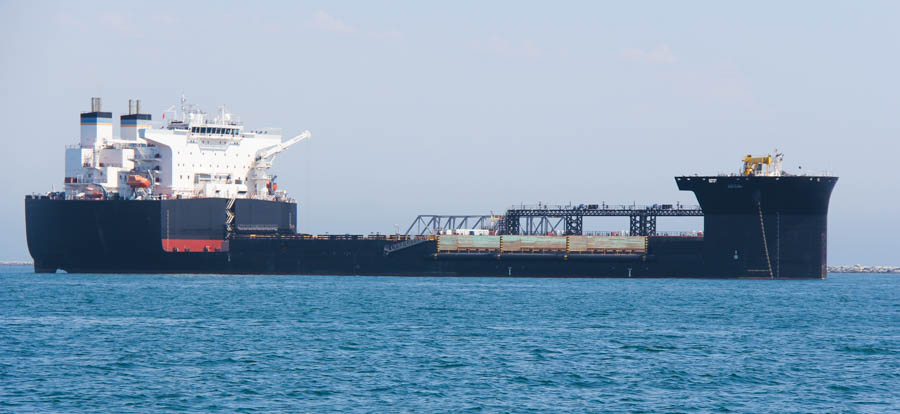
275, 149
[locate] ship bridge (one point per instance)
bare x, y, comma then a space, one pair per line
192, 156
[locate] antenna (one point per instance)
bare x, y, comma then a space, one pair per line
183, 107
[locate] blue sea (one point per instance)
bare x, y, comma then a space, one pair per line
210, 343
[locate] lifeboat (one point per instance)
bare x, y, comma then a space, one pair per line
93, 193
137, 181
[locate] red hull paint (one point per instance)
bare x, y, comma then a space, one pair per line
191, 245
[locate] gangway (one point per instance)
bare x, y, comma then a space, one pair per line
546, 219
642, 218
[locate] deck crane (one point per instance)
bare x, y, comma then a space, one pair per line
753, 166
259, 180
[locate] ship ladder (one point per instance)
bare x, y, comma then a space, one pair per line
229, 218
402, 245
762, 226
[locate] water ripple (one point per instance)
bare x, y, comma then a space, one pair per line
132, 343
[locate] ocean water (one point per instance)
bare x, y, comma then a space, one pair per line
150, 343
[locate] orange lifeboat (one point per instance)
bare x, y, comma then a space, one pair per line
137, 181
93, 193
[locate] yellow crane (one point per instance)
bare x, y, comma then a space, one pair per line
765, 166
754, 165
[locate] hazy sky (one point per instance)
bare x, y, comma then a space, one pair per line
417, 107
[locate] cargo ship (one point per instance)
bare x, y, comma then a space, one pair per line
194, 194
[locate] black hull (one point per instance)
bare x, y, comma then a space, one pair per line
189, 236
774, 227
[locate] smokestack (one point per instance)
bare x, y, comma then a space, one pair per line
133, 123
96, 126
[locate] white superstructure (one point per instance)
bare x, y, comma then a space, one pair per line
190, 156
